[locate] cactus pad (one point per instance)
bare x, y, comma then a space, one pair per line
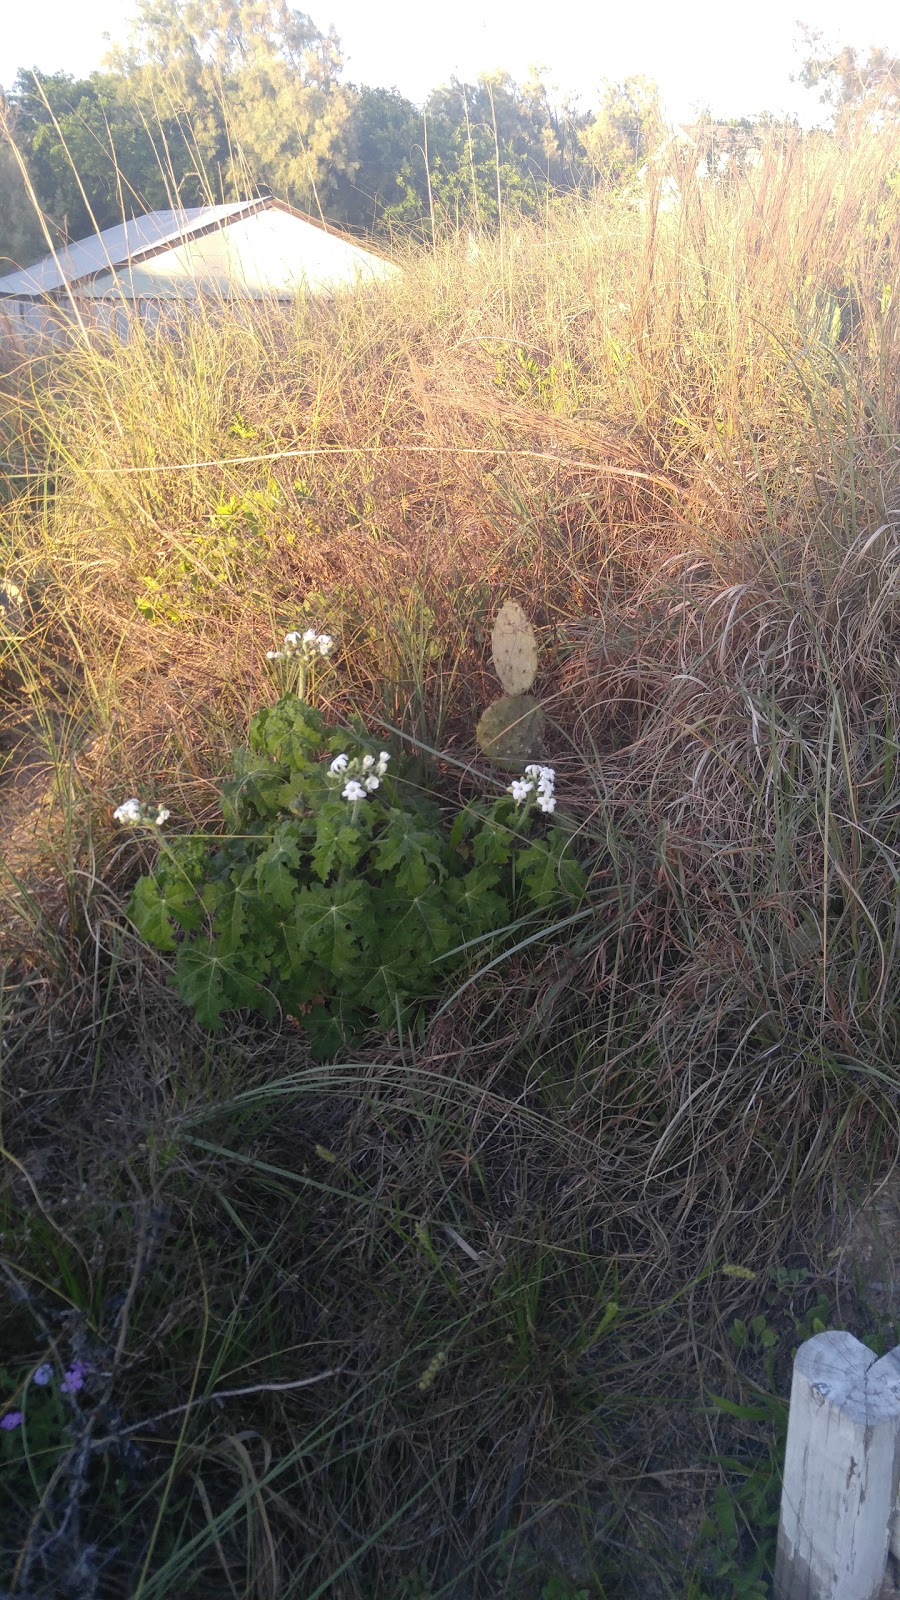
514, 649
510, 729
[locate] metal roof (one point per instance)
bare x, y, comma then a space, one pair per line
128, 241
85, 266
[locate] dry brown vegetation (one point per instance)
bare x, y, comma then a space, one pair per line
673, 436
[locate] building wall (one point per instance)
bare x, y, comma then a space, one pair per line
270, 255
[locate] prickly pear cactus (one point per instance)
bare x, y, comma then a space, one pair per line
510, 729
515, 649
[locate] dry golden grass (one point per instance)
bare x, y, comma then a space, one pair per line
672, 436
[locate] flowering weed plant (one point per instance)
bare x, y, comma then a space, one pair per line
300, 651
338, 894
134, 813
34, 1416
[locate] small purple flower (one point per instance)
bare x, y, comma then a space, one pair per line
42, 1374
11, 1420
74, 1378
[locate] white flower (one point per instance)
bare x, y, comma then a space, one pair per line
368, 763
545, 779
133, 814
307, 645
339, 764
383, 760
371, 783
541, 780
354, 791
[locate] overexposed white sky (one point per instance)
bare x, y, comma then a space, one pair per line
735, 60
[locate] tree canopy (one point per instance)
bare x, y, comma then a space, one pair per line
212, 100
848, 80
219, 99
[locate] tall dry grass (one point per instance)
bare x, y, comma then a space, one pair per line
672, 435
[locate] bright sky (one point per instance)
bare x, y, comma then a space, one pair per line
736, 60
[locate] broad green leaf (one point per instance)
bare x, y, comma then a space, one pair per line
493, 843
187, 860
326, 1035
275, 868
176, 899
295, 975
242, 922
419, 924
290, 731
148, 910
329, 924
463, 824
538, 869
388, 987
411, 851
212, 983
339, 842
253, 791
226, 904
476, 902
302, 795
301, 984
199, 979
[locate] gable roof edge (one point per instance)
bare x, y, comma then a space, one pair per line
68, 289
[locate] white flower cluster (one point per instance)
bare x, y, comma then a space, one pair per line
541, 780
363, 776
307, 645
135, 815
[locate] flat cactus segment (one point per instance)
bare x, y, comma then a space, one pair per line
510, 729
515, 649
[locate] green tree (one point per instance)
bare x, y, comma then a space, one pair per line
848, 81
383, 178
624, 131
93, 155
21, 236
492, 147
253, 85
496, 144
214, 99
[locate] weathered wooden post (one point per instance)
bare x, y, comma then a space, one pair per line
840, 1471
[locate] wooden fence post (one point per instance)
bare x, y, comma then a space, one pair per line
840, 1471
